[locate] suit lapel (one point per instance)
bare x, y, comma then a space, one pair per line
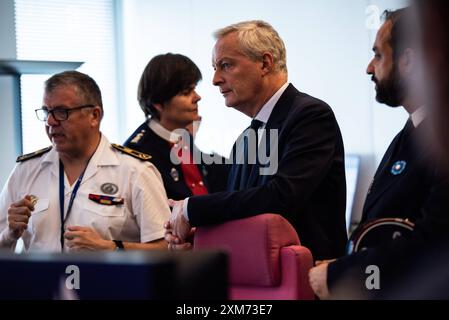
277, 118
171, 173
384, 179
282, 108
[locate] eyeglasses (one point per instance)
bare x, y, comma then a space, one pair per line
59, 114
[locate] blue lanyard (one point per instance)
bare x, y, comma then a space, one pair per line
61, 198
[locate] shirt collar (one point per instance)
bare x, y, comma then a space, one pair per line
165, 134
50, 157
103, 156
264, 113
418, 116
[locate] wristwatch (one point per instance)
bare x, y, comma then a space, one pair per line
119, 245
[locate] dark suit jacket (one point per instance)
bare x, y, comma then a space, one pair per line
420, 193
403, 195
309, 186
214, 175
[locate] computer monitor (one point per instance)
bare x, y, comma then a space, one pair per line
114, 275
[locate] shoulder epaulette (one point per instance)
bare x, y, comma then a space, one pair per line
131, 152
32, 155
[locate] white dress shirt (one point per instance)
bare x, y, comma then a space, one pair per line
418, 116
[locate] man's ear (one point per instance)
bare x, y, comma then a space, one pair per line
267, 63
97, 114
407, 61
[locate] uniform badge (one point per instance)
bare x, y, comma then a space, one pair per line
398, 167
174, 174
138, 136
106, 200
109, 188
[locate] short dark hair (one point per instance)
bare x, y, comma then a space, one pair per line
86, 86
402, 31
164, 77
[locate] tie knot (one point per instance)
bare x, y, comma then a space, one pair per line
256, 124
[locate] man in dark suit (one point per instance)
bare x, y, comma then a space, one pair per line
299, 167
169, 100
404, 177
408, 184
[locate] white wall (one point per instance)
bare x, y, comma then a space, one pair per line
328, 48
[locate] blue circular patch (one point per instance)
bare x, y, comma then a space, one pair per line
398, 167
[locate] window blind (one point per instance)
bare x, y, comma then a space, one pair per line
65, 30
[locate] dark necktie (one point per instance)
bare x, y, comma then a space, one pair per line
250, 144
256, 124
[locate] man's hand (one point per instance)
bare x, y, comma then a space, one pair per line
174, 243
177, 230
180, 227
318, 279
18, 216
83, 238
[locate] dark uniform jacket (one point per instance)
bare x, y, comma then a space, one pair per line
403, 181
147, 141
408, 184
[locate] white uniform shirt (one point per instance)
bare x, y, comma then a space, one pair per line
139, 219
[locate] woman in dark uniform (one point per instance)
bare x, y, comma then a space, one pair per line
167, 95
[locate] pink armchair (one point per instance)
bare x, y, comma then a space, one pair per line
266, 259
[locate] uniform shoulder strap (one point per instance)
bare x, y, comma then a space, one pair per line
32, 155
132, 152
